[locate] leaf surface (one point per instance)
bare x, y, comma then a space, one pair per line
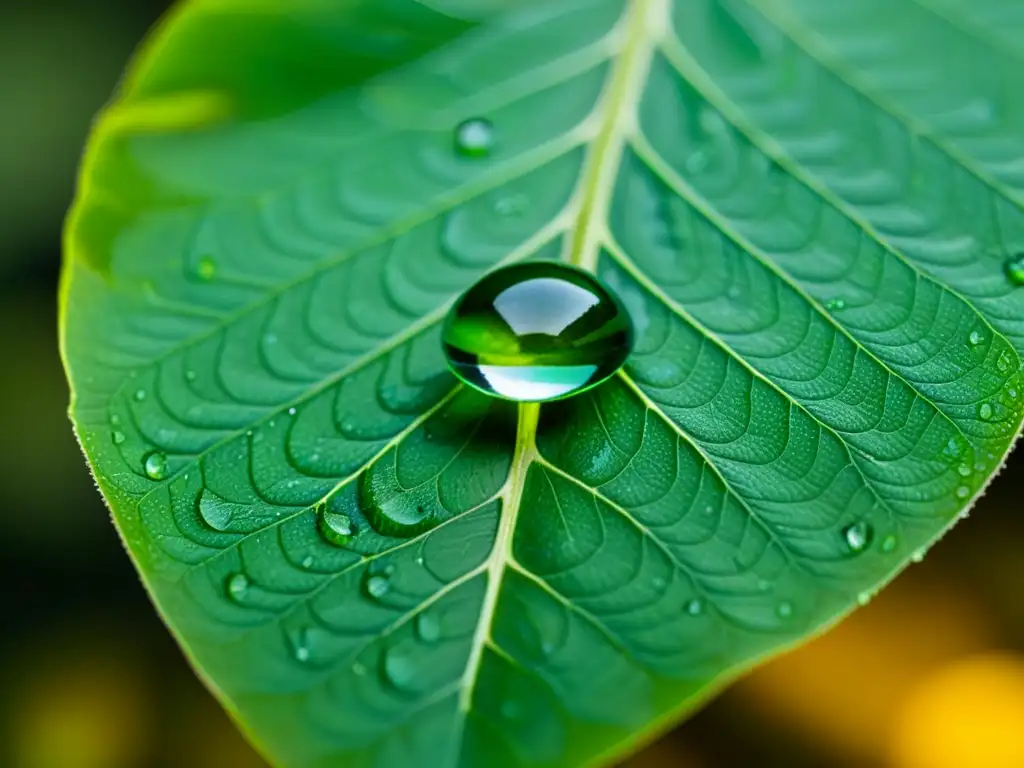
808, 208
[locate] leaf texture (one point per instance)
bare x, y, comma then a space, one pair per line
806, 206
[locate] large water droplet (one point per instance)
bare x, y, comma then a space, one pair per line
336, 527
537, 331
858, 536
428, 627
1014, 268
376, 585
238, 587
155, 465
474, 137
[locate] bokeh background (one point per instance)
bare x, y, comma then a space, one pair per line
930, 675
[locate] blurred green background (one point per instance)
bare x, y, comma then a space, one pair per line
930, 675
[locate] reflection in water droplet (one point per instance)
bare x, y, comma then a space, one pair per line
1014, 268
889, 542
376, 585
238, 586
695, 607
474, 138
206, 268
858, 536
985, 412
428, 627
117, 437
975, 338
537, 331
155, 465
337, 528
963, 492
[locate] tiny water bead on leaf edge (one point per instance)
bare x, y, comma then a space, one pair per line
536, 332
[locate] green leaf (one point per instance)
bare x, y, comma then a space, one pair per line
809, 209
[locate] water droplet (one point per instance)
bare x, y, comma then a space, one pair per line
140, 395
858, 536
1005, 361
117, 437
115, 420
963, 492
399, 667
784, 609
511, 205
336, 527
206, 268
300, 646
238, 586
918, 554
985, 412
836, 305
658, 583
190, 375
537, 331
889, 542
964, 470
975, 338
1014, 268
733, 292
863, 598
1011, 393
358, 669
292, 411
307, 562
695, 607
270, 339
428, 627
376, 585
474, 137
763, 585
953, 449
979, 466
155, 465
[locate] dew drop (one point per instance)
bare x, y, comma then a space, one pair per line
115, 420
307, 562
190, 375
964, 470
889, 542
658, 583
117, 437
399, 668
336, 527
376, 585
863, 598
537, 331
300, 647
695, 607
784, 609
963, 492
1004, 362
140, 395
292, 411
975, 338
428, 627
953, 449
474, 137
1011, 393
155, 465
1014, 268
985, 411
358, 669
763, 585
918, 554
238, 587
206, 268
858, 536
836, 305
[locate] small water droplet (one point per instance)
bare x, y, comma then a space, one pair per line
428, 627
206, 268
117, 437
115, 420
292, 411
474, 137
733, 292
658, 583
858, 536
695, 607
763, 585
918, 554
190, 375
270, 339
300, 647
889, 542
975, 338
238, 586
358, 669
963, 492
836, 305
985, 411
784, 609
979, 466
399, 667
376, 585
140, 395
1004, 362
1014, 268
307, 562
863, 598
155, 465
1012, 393
964, 470
336, 527
953, 449
547, 647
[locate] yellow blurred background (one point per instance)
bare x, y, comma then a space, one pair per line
930, 675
